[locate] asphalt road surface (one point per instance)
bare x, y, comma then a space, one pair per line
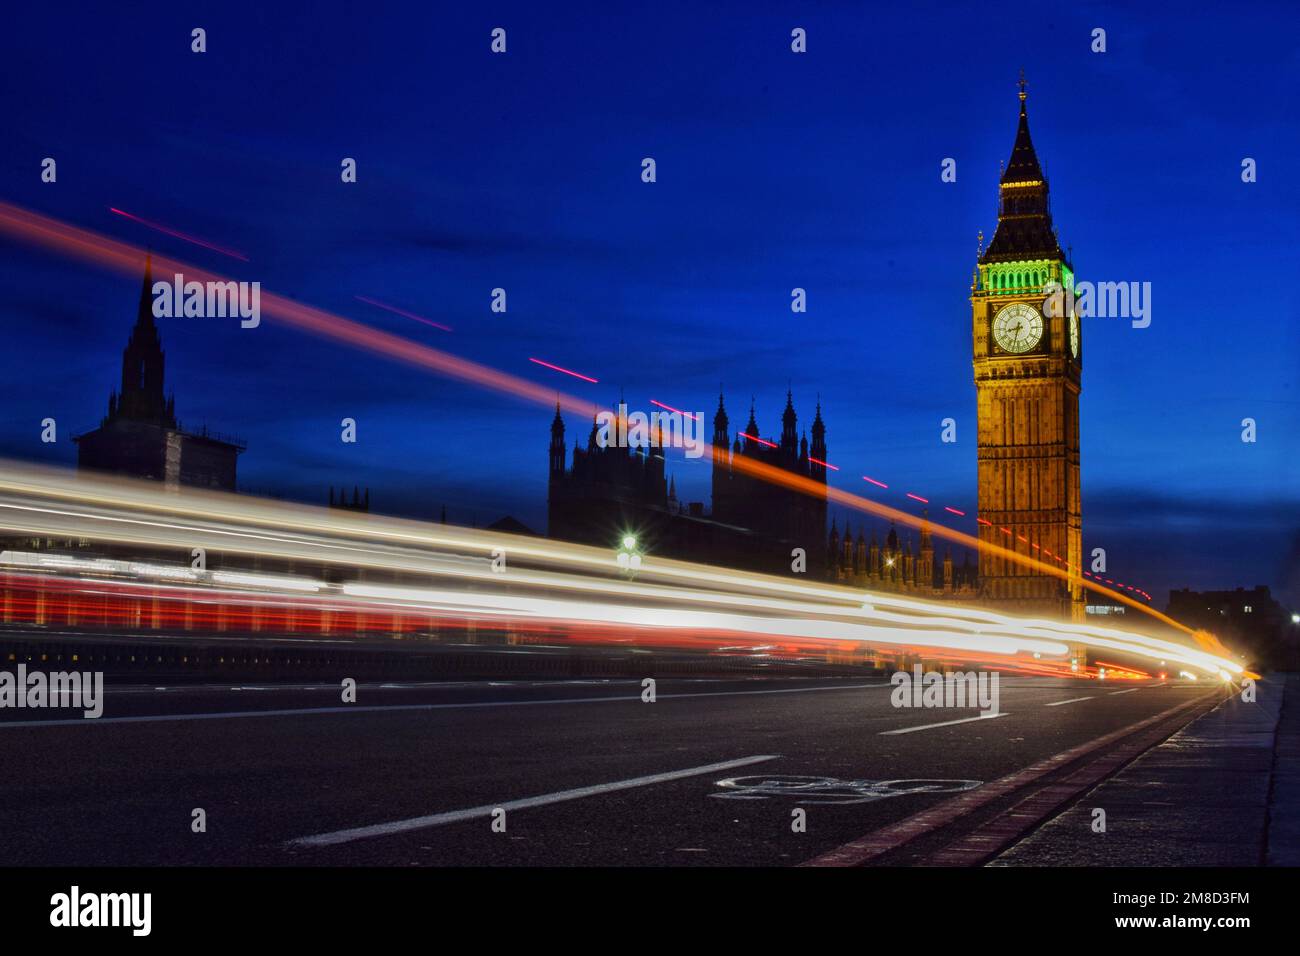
585, 771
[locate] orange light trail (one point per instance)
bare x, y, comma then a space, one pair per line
90, 246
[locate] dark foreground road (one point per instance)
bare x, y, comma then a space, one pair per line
431, 762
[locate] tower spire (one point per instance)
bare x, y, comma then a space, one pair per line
1024, 214
751, 428
141, 397
144, 314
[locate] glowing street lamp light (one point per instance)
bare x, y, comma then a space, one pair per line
629, 559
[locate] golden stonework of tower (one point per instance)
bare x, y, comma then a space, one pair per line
1028, 363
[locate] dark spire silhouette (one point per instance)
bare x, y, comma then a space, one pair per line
789, 435
720, 424
557, 453
751, 429
141, 397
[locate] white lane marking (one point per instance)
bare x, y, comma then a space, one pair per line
1117, 692
946, 723
1072, 700
458, 816
380, 708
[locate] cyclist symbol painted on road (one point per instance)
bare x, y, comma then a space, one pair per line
831, 790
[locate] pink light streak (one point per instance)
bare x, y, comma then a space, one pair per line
556, 368
874, 482
761, 441
691, 415
924, 501
402, 312
180, 235
824, 464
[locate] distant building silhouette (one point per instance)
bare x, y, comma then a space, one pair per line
358, 503
1249, 619
140, 436
893, 566
774, 511
608, 492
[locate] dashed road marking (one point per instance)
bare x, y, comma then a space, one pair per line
946, 723
459, 816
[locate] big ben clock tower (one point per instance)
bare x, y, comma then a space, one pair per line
1027, 379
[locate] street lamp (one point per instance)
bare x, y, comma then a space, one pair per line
629, 558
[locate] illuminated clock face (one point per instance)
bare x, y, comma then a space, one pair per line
1074, 335
1018, 327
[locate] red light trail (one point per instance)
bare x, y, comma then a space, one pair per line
761, 441
180, 235
402, 312
585, 378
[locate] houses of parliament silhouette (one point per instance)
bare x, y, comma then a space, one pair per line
611, 491
608, 492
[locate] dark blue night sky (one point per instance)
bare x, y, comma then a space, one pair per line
775, 170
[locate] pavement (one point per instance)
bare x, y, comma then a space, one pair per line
1223, 791
587, 773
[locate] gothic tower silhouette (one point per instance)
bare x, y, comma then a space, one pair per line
140, 435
